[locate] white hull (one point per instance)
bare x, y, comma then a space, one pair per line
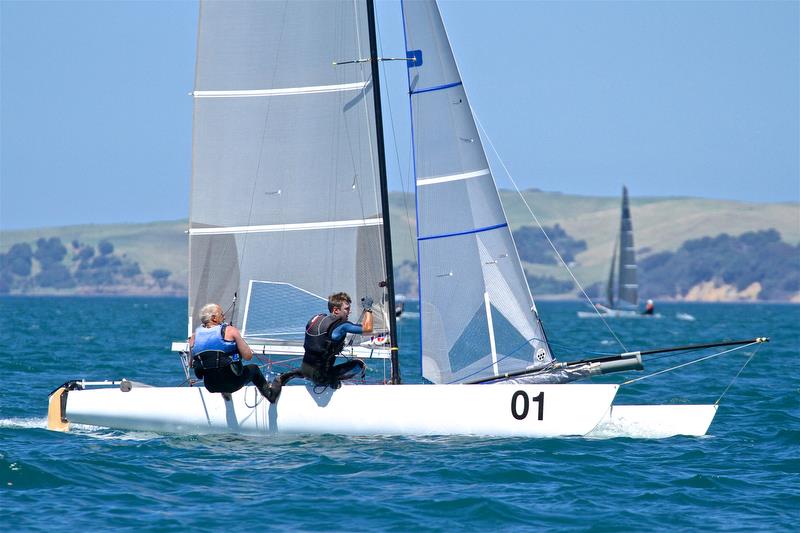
351, 410
616, 313
655, 421
487, 410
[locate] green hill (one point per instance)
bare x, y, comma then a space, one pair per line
153, 245
660, 225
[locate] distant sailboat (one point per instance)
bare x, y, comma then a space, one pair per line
289, 203
622, 288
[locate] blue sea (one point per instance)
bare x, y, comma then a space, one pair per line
743, 476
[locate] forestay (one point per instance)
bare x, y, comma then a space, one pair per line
478, 318
285, 201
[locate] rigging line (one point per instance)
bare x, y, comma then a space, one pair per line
687, 364
535, 218
256, 394
231, 306
667, 355
261, 144
374, 164
396, 148
738, 373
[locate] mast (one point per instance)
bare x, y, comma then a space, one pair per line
387, 233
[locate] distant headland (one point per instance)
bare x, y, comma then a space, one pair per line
689, 249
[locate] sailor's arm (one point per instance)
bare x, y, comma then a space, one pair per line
241, 345
366, 324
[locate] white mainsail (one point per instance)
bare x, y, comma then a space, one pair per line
285, 201
478, 317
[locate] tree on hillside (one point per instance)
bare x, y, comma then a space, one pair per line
5, 280
160, 275
105, 269
758, 256
129, 268
548, 285
49, 251
84, 253
18, 260
534, 248
56, 276
105, 248
406, 278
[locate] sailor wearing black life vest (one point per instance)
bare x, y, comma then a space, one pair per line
217, 351
324, 340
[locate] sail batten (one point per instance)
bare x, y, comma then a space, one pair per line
357, 86
452, 177
437, 88
465, 232
288, 227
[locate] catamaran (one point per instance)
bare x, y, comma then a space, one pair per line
622, 288
289, 203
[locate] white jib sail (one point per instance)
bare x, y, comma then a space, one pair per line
472, 286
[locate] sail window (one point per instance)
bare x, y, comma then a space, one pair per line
279, 310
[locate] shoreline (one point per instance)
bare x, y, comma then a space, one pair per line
185, 295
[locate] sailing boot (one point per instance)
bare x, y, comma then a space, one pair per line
272, 391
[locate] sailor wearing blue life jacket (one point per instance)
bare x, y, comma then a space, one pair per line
217, 351
324, 340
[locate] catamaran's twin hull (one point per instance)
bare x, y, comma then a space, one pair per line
491, 410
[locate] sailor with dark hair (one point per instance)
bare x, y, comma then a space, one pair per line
217, 351
324, 340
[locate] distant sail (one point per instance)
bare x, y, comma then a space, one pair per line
285, 203
612, 276
628, 287
478, 318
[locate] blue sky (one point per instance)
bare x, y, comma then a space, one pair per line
671, 98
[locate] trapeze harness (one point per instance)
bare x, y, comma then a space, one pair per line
211, 351
320, 349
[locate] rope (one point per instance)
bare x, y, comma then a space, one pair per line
393, 129
691, 363
737, 374
524, 201
258, 398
